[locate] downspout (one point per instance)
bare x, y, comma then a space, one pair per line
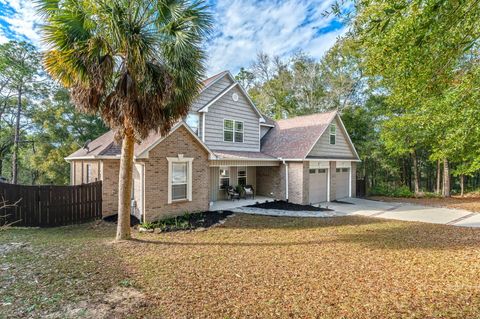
286, 178
203, 127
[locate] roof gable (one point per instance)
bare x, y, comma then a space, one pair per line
142, 150
294, 138
105, 146
218, 77
342, 149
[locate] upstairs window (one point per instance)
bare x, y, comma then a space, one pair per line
228, 130
232, 131
238, 132
193, 121
333, 134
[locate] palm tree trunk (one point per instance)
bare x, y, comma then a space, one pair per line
16, 140
439, 176
415, 173
446, 179
125, 187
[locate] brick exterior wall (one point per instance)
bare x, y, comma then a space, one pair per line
298, 182
79, 168
271, 181
156, 176
110, 170
333, 183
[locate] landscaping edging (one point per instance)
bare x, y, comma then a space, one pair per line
286, 213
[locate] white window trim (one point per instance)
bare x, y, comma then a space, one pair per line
234, 131
246, 175
333, 125
180, 159
220, 176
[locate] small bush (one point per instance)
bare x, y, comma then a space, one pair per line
147, 225
384, 190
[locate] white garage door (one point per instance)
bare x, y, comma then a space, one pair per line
318, 185
342, 181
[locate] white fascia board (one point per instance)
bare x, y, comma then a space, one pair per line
265, 124
244, 159
331, 160
348, 137
216, 80
91, 157
262, 119
145, 153
321, 134
218, 97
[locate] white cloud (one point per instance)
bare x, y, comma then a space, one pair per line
246, 27
23, 23
243, 28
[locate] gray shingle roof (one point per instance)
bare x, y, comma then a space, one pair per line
242, 155
294, 138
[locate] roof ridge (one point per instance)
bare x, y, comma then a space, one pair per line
307, 115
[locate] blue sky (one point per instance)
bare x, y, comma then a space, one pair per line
242, 29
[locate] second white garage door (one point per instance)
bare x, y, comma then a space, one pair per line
342, 181
318, 185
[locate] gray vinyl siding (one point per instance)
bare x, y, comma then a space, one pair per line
241, 110
219, 194
341, 149
211, 92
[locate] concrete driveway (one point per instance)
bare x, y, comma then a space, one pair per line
370, 208
407, 212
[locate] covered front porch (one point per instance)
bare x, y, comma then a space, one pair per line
261, 174
230, 204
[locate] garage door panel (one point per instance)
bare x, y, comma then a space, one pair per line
342, 177
318, 185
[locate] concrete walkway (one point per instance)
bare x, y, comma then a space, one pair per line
388, 210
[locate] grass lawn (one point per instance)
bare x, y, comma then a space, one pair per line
469, 202
252, 266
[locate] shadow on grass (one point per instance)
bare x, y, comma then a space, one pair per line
373, 233
248, 221
412, 235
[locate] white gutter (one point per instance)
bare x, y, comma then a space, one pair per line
286, 178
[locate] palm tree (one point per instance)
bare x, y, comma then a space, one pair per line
137, 63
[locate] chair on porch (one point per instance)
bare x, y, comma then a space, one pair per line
232, 194
248, 191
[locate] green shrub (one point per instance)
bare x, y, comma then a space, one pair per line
147, 225
385, 190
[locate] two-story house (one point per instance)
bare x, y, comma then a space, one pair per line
225, 141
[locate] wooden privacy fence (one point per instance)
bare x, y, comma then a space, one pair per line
48, 206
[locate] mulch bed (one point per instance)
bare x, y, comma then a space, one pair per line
283, 205
114, 219
191, 221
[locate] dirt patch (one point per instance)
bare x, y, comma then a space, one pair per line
470, 203
283, 205
117, 303
9, 247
